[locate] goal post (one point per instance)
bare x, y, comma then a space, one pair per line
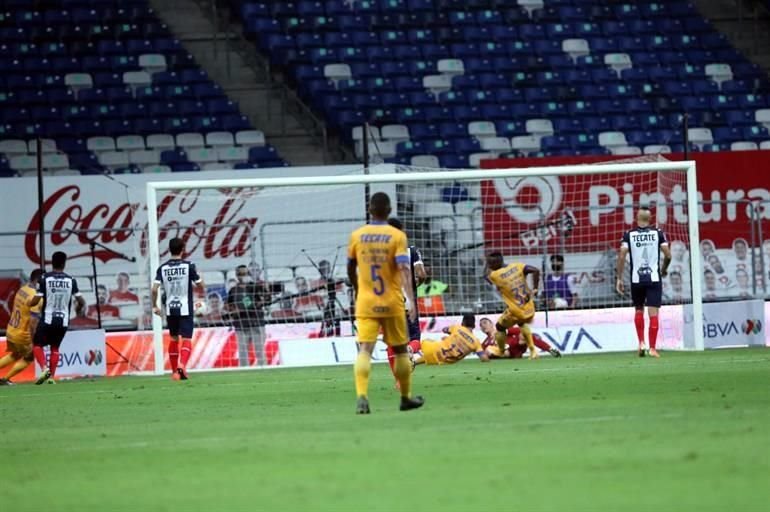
399, 176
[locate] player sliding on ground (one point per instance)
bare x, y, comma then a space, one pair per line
21, 329
177, 277
379, 268
644, 243
55, 289
460, 343
516, 345
511, 282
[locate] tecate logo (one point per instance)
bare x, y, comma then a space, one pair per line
751, 326
93, 357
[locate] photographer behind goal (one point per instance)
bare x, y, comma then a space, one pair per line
246, 302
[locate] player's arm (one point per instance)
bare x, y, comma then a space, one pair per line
405, 269
406, 280
196, 279
154, 298
34, 301
353, 275
619, 268
483, 356
535, 273
666, 250
419, 267
80, 302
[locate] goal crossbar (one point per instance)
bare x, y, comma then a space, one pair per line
387, 173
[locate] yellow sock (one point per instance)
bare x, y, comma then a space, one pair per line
402, 369
17, 369
501, 338
6, 360
362, 369
527, 333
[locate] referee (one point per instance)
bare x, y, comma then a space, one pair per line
418, 275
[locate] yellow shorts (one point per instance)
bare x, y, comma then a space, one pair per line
511, 317
19, 349
393, 330
431, 352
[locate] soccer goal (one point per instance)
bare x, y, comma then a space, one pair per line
290, 235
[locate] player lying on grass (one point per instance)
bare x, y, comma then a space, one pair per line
460, 343
516, 345
21, 329
511, 281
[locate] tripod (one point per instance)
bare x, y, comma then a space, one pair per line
331, 324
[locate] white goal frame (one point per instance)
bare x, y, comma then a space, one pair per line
386, 173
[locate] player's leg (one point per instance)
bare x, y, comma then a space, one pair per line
504, 323
185, 346
414, 340
55, 340
173, 345
654, 300
526, 335
40, 341
23, 356
517, 350
638, 297
8, 358
368, 328
395, 336
545, 346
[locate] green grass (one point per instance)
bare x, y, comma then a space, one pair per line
690, 431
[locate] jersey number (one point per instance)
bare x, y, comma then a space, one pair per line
519, 293
15, 319
379, 284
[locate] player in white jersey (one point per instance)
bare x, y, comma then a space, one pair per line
55, 289
643, 244
177, 277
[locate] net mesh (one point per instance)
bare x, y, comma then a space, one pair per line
293, 243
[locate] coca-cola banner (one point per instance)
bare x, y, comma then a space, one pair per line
596, 210
216, 224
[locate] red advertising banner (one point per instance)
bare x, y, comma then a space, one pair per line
595, 207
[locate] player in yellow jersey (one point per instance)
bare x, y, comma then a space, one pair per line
511, 282
460, 343
21, 329
379, 269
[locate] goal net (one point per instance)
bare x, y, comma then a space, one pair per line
283, 243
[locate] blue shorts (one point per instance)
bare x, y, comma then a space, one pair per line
180, 326
647, 294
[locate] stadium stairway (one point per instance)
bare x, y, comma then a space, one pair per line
745, 23
219, 50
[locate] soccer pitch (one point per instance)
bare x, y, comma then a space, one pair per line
690, 431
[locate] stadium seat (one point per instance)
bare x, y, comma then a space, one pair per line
99, 144
160, 141
250, 138
744, 146
113, 160
129, 142
190, 140
575, 48
525, 144
700, 137
215, 139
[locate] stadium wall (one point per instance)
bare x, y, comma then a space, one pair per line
581, 332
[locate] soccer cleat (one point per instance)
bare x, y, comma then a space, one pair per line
654, 353
175, 375
642, 350
362, 405
182, 373
407, 404
5, 382
44, 377
554, 352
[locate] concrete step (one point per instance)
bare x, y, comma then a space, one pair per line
218, 49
